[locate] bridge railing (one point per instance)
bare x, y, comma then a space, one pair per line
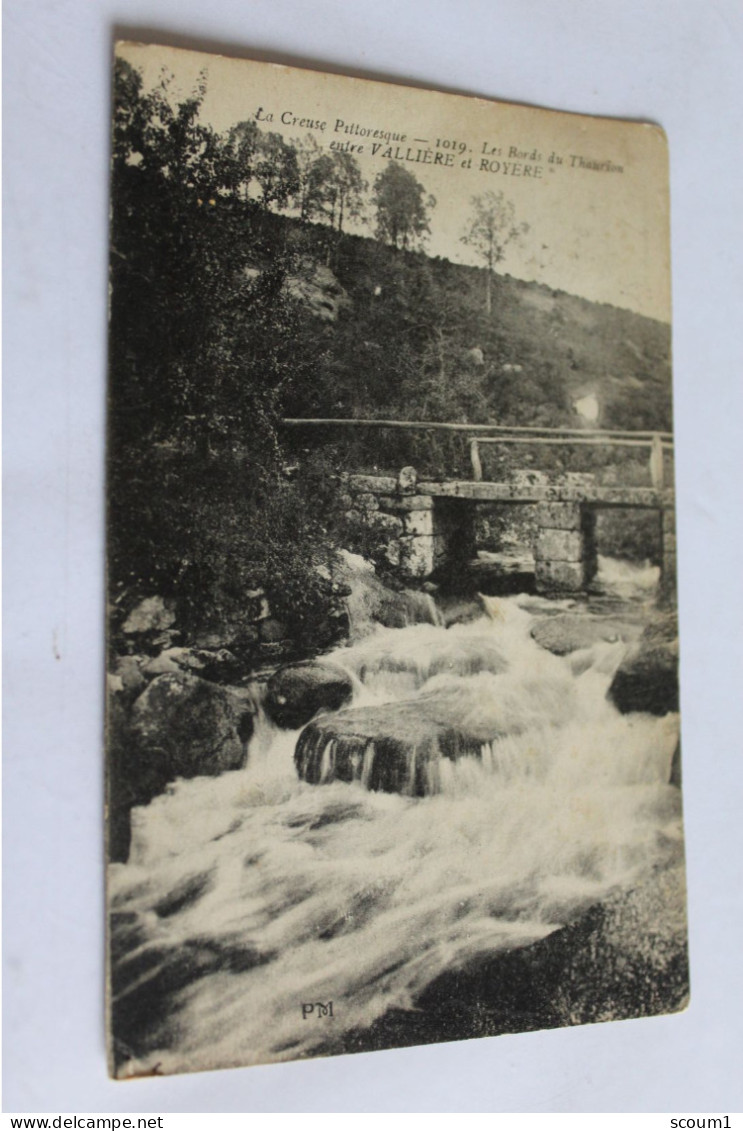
657, 443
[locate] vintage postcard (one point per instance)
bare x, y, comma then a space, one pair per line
393, 738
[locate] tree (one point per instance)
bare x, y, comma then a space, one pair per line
242, 142
402, 207
276, 170
264, 160
202, 349
315, 179
492, 228
346, 190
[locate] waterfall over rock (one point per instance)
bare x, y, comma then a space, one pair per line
471, 803
394, 748
370, 603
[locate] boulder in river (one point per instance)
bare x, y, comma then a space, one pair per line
623, 958
647, 679
188, 726
395, 748
296, 692
407, 746
570, 632
181, 726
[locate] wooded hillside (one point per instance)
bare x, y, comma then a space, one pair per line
240, 297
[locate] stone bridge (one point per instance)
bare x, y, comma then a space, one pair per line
427, 525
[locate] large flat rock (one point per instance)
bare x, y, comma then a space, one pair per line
404, 746
395, 748
570, 632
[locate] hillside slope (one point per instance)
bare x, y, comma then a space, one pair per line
411, 338
398, 335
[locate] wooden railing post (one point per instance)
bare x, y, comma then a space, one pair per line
475, 460
656, 462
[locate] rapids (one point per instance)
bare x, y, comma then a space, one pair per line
248, 895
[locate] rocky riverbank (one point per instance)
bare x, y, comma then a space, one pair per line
181, 710
445, 826
623, 958
182, 706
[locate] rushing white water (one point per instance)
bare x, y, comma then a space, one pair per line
282, 893
626, 579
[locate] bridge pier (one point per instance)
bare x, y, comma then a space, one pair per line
416, 547
565, 557
418, 528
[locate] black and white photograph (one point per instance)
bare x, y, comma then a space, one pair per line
393, 750
372, 514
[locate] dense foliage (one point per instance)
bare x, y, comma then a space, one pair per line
201, 355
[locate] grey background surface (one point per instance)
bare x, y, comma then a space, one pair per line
678, 63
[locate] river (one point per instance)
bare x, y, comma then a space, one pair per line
248, 896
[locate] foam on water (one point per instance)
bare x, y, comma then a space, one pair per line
626, 579
284, 893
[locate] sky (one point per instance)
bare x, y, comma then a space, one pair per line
593, 192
